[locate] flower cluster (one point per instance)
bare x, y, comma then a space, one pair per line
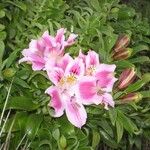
76, 81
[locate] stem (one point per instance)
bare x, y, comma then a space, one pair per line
21, 141
5, 122
8, 135
6, 102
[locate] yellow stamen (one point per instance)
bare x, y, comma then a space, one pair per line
70, 79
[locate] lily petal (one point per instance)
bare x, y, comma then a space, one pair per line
60, 35
107, 100
92, 59
64, 61
71, 39
75, 67
86, 91
55, 75
76, 113
56, 101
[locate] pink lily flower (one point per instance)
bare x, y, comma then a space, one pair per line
91, 61
63, 95
47, 51
99, 87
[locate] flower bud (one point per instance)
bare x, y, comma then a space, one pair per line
123, 54
131, 97
63, 142
8, 73
126, 78
122, 42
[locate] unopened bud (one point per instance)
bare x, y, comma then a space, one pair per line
126, 78
131, 97
63, 142
122, 42
8, 73
123, 54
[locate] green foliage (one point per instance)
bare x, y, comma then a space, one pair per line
98, 23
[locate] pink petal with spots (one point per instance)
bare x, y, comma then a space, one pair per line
64, 61
86, 91
60, 38
107, 100
105, 76
49, 40
55, 75
92, 59
76, 113
71, 39
75, 67
56, 101
82, 56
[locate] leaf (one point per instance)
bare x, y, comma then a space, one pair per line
21, 103
11, 58
95, 139
127, 123
108, 140
139, 84
2, 27
95, 5
56, 134
33, 123
65, 127
18, 4
106, 126
145, 94
112, 115
123, 64
119, 127
2, 13
140, 60
20, 122
21, 82
139, 48
109, 42
2, 48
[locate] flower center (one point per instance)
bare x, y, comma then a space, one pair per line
71, 79
90, 70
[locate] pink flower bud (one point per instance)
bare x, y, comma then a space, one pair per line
126, 78
131, 97
122, 42
123, 54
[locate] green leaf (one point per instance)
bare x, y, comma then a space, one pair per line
2, 14
96, 139
112, 115
127, 123
139, 84
119, 128
66, 127
139, 48
2, 27
123, 64
18, 4
33, 124
108, 140
56, 134
95, 5
21, 82
109, 42
106, 126
140, 60
2, 48
20, 122
21, 103
11, 58
145, 94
